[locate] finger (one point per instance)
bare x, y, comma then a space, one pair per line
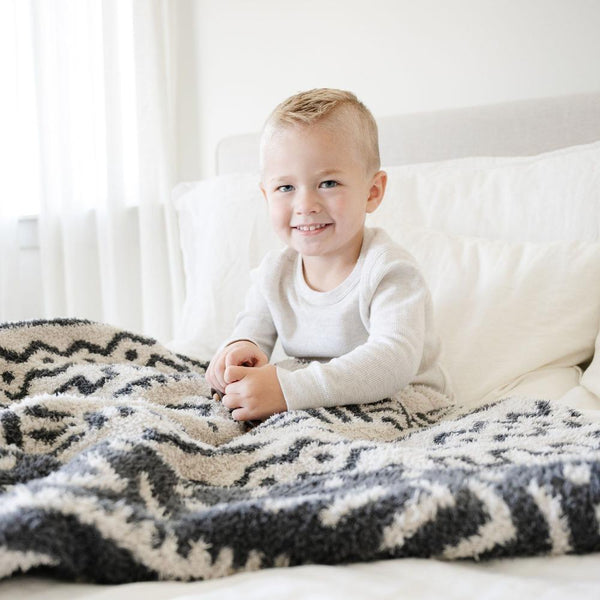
234, 373
241, 356
210, 378
240, 414
219, 373
235, 357
261, 361
235, 388
230, 401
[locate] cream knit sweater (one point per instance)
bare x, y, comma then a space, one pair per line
365, 340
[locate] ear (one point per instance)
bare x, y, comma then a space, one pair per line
376, 191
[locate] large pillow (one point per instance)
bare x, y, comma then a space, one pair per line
504, 309
224, 232
548, 197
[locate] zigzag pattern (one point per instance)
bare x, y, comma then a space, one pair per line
117, 465
37, 354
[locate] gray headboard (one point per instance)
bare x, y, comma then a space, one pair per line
509, 129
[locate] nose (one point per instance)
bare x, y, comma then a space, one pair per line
306, 202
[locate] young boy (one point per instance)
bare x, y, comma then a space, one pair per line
344, 298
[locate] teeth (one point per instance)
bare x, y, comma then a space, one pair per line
310, 227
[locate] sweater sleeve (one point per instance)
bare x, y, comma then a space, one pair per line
385, 363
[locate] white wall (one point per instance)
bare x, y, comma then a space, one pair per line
396, 55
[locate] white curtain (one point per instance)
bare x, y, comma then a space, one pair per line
9, 272
104, 111
14, 179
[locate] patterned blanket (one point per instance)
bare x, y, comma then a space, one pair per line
116, 465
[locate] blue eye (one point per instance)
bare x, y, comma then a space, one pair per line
330, 183
285, 188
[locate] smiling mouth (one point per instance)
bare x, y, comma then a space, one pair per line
315, 227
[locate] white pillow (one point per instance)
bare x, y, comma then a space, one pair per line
224, 233
504, 309
548, 197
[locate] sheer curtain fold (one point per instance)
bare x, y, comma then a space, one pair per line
9, 272
104, 85
18, 172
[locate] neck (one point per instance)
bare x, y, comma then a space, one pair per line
323, 274
320, 276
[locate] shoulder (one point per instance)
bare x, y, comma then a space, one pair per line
382, 254
275, 265
391, 275
389, 268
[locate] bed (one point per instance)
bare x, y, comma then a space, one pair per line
496, 496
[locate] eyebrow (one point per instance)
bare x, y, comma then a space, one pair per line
332, 171
280, 179
321, 173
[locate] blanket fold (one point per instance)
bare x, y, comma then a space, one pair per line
117, 465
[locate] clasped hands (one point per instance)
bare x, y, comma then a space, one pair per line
241, 371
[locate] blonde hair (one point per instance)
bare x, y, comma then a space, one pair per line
313, 106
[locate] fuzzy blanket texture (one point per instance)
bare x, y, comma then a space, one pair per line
116, 465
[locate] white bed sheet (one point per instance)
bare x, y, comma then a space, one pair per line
557, 577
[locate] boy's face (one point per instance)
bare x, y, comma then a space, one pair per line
318, 190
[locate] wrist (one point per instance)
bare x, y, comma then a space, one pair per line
278, 387
242, 341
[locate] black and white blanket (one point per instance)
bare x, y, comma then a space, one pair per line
116, 465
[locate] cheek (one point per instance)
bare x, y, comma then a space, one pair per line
279, 215
338, 207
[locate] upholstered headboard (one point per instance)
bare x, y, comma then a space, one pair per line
509, 129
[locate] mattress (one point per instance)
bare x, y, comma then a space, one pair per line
545, 578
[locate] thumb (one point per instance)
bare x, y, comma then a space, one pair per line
234, 373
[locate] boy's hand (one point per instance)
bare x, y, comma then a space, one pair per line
253, 392
238, 353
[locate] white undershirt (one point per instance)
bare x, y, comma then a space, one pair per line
366, 339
